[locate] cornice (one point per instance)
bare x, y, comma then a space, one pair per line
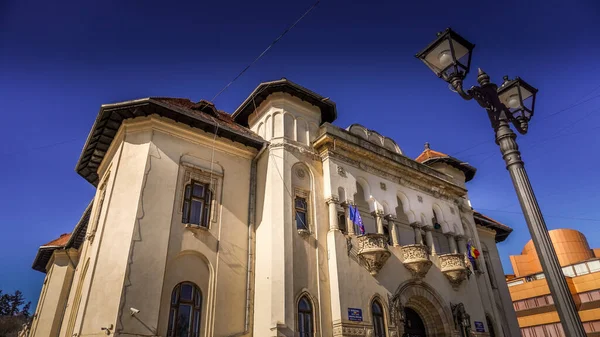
177, 130
423, 179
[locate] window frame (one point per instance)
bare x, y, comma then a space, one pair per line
301, 314
302, 194
190, 172
206, 207
378, 318
97, 207
196, 302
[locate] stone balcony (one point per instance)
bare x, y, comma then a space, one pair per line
416, 259
453, 266
373, 251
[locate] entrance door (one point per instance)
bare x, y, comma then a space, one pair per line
413, 324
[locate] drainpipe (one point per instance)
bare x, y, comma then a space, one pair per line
251, 242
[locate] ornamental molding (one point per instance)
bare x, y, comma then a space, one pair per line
415, 258
453, 267
401, 170
332, 199
341, 171
296, 148
373, 252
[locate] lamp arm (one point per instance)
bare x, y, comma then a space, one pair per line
456, 83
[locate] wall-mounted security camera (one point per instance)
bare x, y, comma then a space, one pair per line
134, 311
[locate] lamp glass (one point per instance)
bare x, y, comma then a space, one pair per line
518, 97
442, 57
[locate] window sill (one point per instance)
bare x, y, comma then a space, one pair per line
303, 232
194, 227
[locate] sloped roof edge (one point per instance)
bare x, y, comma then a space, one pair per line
264, 89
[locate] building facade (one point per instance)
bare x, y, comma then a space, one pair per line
529, 290
245, 224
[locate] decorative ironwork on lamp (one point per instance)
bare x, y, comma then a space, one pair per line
449, 57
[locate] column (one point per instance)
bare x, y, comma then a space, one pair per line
332, 203
349, 224
393, 229
451, 242
429, 239
378, 214
462, 245
417, 228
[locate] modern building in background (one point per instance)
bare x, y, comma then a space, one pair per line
529, 291
206, 223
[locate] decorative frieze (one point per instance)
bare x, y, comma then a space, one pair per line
416, 182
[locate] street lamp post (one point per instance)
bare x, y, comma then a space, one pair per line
449, 56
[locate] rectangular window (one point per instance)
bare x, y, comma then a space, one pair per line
515, 283
581, 269
196, 204
594, 266
301, 210
568, 271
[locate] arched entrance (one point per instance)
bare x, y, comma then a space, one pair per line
413, 324
428, 313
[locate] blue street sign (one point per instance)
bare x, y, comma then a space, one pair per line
355, 314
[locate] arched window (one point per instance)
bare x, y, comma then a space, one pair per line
196, 204
490, 325
378, 322
186, 310
305, 318
435, 220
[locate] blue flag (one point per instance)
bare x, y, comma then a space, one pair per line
356, 219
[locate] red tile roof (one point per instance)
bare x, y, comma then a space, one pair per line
60, 241
429, 154
205, 108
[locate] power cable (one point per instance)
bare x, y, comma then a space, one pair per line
545, 215
40, 147
266, 50
543, 118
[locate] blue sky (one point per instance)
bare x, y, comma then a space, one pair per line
59, 61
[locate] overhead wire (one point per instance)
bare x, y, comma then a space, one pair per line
264, 52
578, 102
545, 215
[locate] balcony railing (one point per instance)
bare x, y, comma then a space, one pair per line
453, 266
416, 259
373, 251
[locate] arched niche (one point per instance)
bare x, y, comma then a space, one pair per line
277, 125
403, 212
301, 131
289, 131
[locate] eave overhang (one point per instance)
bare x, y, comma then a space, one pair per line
77, 237
467, 169
502, 230
263, 90
111, 116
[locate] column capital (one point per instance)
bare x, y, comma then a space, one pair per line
460, 237
415, 224
378, 213
390, 217
427, 228
449, 234
332, 199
